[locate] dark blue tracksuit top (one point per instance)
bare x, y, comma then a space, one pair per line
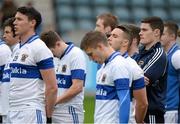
154, 64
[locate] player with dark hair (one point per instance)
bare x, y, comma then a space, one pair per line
70, 66
33, 88
152, 59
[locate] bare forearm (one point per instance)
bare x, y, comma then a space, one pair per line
51, 97
141, 104
68, 95
140, 113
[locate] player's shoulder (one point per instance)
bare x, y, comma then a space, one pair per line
4, 49
119, 60
37, 43
76, 52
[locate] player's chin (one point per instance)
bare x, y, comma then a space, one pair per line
16, 33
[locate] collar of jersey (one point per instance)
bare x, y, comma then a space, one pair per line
30, 39
2, 42
172, 48
68, 49
111, 57
143, 51
125, 55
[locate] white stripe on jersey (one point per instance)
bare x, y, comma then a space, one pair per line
156, 56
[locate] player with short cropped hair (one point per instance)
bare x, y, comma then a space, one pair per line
168, 41
121, 39
112, 89
134, 47
152, 59
33, 88
70, 66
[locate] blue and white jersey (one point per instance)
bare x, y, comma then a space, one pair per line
113, 76
27, 89
5, 88
71, 65
137, 81
5, 54
173, 81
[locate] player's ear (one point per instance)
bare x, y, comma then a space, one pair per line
108, 29
100, 46
33, 22
58, 43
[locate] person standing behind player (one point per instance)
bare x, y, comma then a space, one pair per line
112, 89
9, 33
5, 54
105, 23
133, 49
33, 88
168, 41
70, 66
152, 59
120, 40
11, 41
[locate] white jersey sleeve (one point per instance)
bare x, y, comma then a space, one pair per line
43, 55
78, 65
5, 54
176, 59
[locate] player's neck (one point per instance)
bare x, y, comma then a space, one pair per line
133, 50
169, 46
108, 52
24, 37
122, 51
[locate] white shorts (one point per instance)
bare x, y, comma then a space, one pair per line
68, 114
26, 116
171, 117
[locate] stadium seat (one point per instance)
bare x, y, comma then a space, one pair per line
83, 12
174, 3
175, 12
99, 10
160, 12
122, 13
100, 2
66, 25
138, 3
64, 11
120, 2
63, 2
85, 24
139, 14
157, 3
82, 2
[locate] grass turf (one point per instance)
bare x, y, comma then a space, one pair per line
89, 103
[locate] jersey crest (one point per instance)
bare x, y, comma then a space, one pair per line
103, 78
141, 63
64, 68
23, 57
